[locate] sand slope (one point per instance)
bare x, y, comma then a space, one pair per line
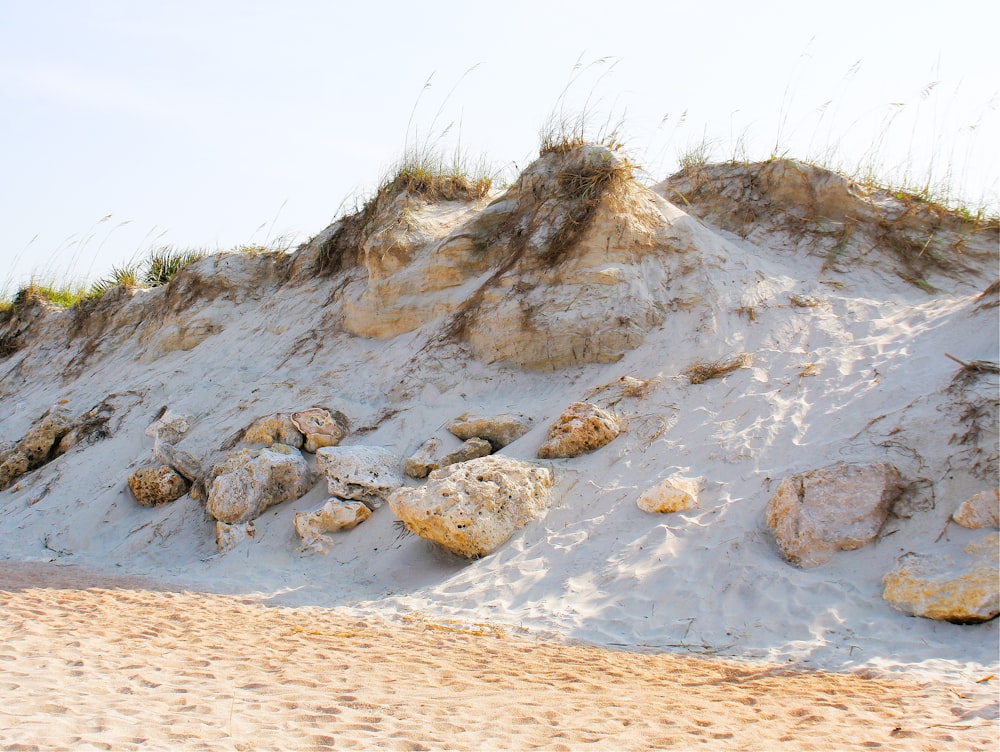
115, 666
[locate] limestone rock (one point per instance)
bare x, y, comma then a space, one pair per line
181, 461
334, 515
321, 429
251, 480
274, 429
473, 507
837, 508
169, 427
13, 464
228, 536
43, 437
582, 427
674, 494
364, 473
499, 430
154, 486
470, 450
962, 587
420, 463
981, 510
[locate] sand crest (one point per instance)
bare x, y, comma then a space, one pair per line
125, 664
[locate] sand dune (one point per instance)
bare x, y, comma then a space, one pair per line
122, 664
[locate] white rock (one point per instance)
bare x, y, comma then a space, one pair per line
421, 462
364, 473
169, 427
673, 494
229, 536
837, 508
950, 585
499, 430
473, 507
981, 510
251, 480
334, 515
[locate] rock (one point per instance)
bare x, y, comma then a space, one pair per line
274, 429
333, 516
228, 536
364, 473
178, 459
420, 463
154, 486
321, 429
838, 508
470, 450
673, 494
960, 587
499, 430
583, 427
13, 464
40, 440
981, 510
169, 427
251, 480
473, 507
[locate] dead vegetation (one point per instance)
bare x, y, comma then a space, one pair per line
701, 372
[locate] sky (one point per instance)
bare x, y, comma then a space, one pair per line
210, 124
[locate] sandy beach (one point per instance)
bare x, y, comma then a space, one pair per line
117, 664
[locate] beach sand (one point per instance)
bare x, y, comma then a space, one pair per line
125, 664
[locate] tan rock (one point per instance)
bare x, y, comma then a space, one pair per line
470, 450
473, 507
956, 586
274, 429
363, 473
320, 428
228, 536
424, 460
582, 427
981, 510
499, 430
838, 508
13, 464
43, 437
251, 480
333, 516
674, 494
154, 486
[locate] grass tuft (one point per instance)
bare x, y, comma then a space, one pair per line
700, 372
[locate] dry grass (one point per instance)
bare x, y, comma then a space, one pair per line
700, 372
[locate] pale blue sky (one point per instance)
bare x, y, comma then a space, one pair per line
212, 123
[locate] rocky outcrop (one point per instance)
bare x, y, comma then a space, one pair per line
363, 473
320, 427
499, 430
956, 586
980, 510
582, 427
273, 429
251, 480
154, 486
674, 494
473, 507
838, 508
333, 516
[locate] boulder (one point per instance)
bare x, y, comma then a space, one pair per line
153, 486
333, 516
228, 536
981, 510
583, 427
420, 463
169, 427
364, 473
499, 430
674, 494
956, 586
274, 429
43, 437
13, 464
837, 508
320, 428
471, 449
251, 480
473, 507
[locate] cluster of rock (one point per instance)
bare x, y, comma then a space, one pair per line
52, 436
